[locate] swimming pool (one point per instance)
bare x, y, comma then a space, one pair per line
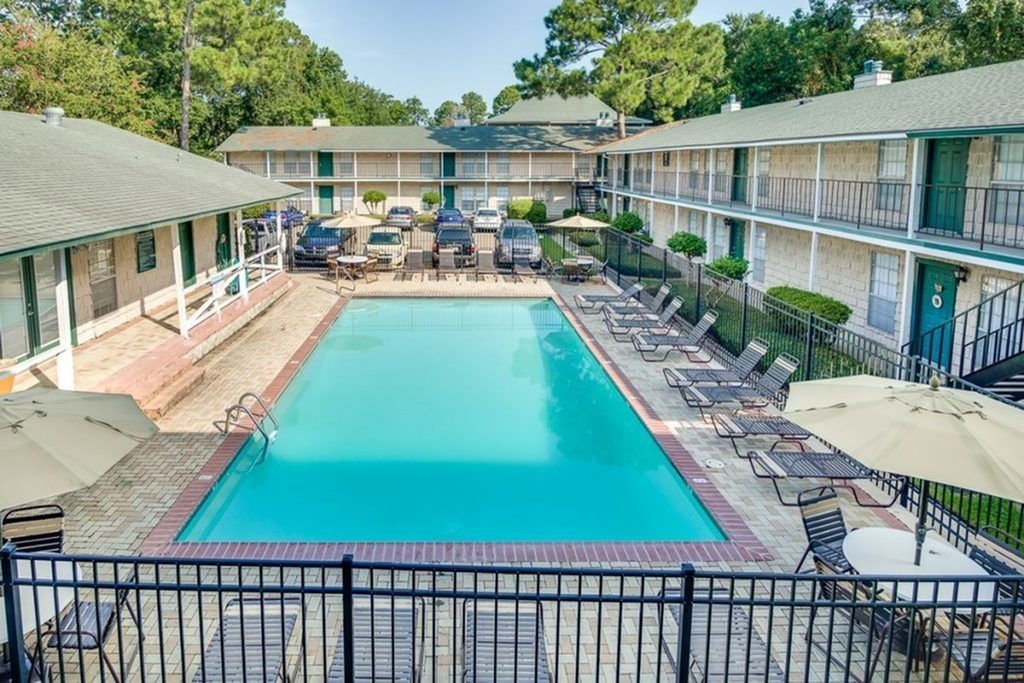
452, 420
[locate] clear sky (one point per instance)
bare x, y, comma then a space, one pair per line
437, 50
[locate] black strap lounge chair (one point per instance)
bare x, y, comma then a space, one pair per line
385, 632
834, 467
503, 642
622, 328
654, 347
592, 303
34, 528
734, 426
251, 641
637, 307
736, 375
764, 391
724, 645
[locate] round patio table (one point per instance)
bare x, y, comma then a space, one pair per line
350, 266
890, 552
50, 601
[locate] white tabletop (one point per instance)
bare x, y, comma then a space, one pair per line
890, 552
50, 602
353, 259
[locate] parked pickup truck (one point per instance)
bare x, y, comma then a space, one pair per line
456, 236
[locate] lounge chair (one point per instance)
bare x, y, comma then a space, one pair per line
413, 264
736, 375
649, 344
446, 264
997, 553
735, 426
762, 393
503, 642
385, 641
485, 265
988, 653
724, 645
622, 329
830, 465
34, 528
592, 303
637, 307
251, 640
825, 528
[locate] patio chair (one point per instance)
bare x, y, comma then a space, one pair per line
446, 264
637, 307
413, 264
831, 465
825, 528
485, 265
739, 373
648, 344
736, 426
503, 641
570, 272
34, 528
989, 653
767, 388
997, 553
592, 303
251, 640
724, 644
370, 269
622, 328
385, 640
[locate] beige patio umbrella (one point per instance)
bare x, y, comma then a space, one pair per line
53, 441
578, 221
927, 431
351, 220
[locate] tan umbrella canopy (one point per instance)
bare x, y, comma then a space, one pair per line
578, 221
53, 441
351, 220
927, 431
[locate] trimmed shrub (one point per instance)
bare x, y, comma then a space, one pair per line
689, 245
256, 211
729, 266
628, 222
600, 215
374, 200
569, 213
538, 213
587, 239
431, 198
643, 237
826, 307
519, 208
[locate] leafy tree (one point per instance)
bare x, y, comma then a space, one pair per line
431, 198
417, 114
992, 31
504, 100
374, 200
763, 64
445, 114
643, 55
474, 106
689, 245
628, 222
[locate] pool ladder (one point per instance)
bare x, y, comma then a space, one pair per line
233, 417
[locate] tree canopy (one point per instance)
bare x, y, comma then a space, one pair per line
504, 100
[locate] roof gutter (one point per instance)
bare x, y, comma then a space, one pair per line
758, 143
964, 132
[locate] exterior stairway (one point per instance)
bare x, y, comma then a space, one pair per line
587, 199
1012, 388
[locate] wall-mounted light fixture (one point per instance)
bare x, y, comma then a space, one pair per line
961, 273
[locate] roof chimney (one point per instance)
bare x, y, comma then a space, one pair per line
321, 121
53, 116
731, 104
873, 74
604, 120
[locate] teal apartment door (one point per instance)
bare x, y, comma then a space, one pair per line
737, 237
325, 164
448, 166
448, 192
934, 304
739, 175
325, 193
188, 253
946, 180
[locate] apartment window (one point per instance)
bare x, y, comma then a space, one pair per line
764, 168
694, 169
296, 163
883, 291
759, 252
501, 166
544, 194
427, 164
103, 277
719, 240
13, 319
472, 197
695, 222
666, 158
721, 170
501, 194
892, 166
347, 196
344, 164
472, 164
1007, 207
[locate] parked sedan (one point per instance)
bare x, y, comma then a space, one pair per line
449, 216
487, 220
517, 243
459, 237
387, 245
403, 217
291, 217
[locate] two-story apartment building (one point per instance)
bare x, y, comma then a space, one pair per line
469, 166
903, 200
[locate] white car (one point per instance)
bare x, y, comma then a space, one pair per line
387, 245
487, 219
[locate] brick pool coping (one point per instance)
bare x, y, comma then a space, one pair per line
741, 545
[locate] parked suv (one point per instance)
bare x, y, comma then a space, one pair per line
403, 217
517, 243
487, 219
448, 216
456, 236
291, 217
318, 242
387, 245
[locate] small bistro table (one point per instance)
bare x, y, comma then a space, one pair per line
351, 267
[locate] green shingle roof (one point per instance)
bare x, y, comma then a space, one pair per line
556, 109
416, 139
974, 99
85, 179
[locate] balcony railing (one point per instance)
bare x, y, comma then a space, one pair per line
290, 170
256, 169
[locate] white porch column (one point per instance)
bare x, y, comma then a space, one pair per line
819, 170
487, 175
179, 281
398, 162
355, 182
812, 272
529, 174
675, 219
907, 296
280, 244
313, 199
266, 163
711, 175
652, 173
679, 172
754, 180
243, 279
65, 362
912, 210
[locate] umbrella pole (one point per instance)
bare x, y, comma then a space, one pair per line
921, 531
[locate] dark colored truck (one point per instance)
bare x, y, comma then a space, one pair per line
458, 236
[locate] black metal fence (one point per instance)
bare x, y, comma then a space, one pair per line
216, 620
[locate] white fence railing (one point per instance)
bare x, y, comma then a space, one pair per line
235, 282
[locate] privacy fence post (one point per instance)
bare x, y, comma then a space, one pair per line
664, 266
700, 276
685, 623
12, 613
348, 635
618, 262
809, 355
743, 316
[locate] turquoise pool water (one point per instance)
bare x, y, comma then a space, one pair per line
453, 420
